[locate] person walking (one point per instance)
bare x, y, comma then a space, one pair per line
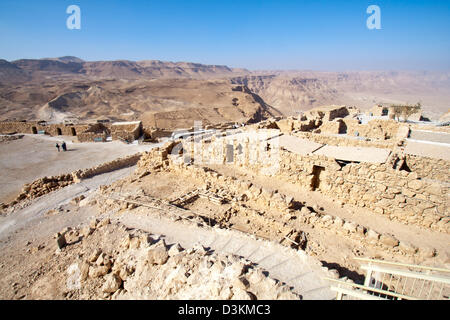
64, 147
57, 147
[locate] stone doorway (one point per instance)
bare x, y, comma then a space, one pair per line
59, 131
230, 153
315, 181
34, 130
74, 133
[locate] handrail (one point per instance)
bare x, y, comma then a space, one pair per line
381, 291
409, 274
360, 295
403, 264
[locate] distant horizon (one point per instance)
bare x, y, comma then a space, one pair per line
255, 35
233, 67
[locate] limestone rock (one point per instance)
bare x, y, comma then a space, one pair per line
407, 247
98, 271
240, 294
174, 250
112, 283
157, 255
427, 252
94, 255
389, 240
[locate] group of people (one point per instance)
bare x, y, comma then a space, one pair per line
63, 146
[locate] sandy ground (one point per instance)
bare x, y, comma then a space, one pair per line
35, 156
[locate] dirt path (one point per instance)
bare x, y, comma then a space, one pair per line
34, 213
35, 156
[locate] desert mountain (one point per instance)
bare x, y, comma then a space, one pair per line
291, 92
76, 68
54, 88
163, 103
10, 73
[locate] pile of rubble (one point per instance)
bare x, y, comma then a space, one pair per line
113, 262
37, 189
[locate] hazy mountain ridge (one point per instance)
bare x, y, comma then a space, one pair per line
73, 66
110, 88
295, 91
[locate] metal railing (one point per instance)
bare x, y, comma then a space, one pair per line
396, 281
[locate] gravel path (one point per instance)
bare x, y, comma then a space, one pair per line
35, 156
34, 213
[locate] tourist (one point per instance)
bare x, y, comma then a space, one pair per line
57, 146
64, 147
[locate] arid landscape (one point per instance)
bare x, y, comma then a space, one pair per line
276, 196
173, 95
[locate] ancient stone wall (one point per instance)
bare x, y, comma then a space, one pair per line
35, 126
374, 129
270, 201
399, 194
92, 136
435, 169
106, 167
126, 131
345, 141
46, 185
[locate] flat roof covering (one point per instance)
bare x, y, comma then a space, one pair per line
358, 154
125, 123
429, 149
297, 145
260, 134
430, 136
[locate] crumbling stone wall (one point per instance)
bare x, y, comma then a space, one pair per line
400, 195
374, 129
270, 201
94, 132
425, 167
328, 113
46, 185
34, 127
126, 131
39, 188
345, 140
106, 167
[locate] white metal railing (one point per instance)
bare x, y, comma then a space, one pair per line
395, 281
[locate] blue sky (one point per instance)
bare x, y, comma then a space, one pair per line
316, 35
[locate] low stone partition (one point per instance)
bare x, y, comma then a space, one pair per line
41, 187
106, 167
377, 129
345, 140
46, 185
